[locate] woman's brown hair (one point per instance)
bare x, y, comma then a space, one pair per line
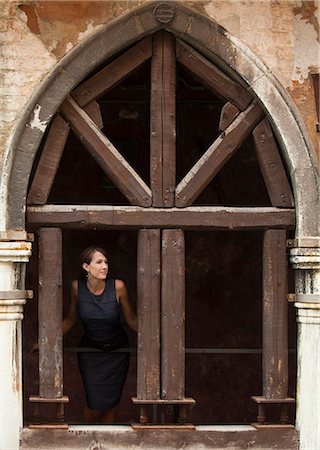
87, 254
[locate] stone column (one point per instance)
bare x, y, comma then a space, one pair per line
13, 258
305, 257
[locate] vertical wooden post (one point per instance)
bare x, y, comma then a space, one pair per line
275, 321
50, 313
173, 315
148, 382
275, 327
163, 120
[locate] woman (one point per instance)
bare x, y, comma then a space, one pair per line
98, 300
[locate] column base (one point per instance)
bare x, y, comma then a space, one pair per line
264, 402
181, 411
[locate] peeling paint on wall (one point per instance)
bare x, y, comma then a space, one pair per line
36, 122
307, 46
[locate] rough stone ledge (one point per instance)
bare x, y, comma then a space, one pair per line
119, 437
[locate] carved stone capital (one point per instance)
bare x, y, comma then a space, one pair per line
305, 258
15, 251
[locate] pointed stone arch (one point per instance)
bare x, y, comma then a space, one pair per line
211, 40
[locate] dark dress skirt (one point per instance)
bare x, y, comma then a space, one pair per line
103, 372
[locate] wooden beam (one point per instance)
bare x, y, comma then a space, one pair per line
49, 162
111, 217
212, 77
163, 120
228, 113
106, 155
50, 314
275, 321
114, 73
93, 110
148, 288
173, 316
271, 166
217, 156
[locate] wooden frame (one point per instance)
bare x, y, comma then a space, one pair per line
217, 155
163, 121
49, 162
148, 278
114, 73
161, 212
173, 316
210, 217
212, 77
271, 166
106, 155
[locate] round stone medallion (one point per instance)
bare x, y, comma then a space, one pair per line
164, 13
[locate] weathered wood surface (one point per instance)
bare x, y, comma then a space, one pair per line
271, 166
209, 217
212, 77
148, 290
275, 321
49, 162
50, 313
173, 315
228, 113
114, 73
217, 155
106, 155
163, 120
93, 110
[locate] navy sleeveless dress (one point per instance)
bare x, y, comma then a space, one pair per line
103, 373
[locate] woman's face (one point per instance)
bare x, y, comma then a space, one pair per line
98, 266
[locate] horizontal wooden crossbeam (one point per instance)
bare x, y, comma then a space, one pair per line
112, 217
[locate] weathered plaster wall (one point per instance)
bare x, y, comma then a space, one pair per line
34, 35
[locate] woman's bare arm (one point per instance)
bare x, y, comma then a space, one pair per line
126, 308
72, 316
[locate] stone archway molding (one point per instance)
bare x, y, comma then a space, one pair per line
218, 46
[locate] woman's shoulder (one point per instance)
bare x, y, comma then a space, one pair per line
119, 284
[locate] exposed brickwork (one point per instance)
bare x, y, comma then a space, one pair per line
24, 61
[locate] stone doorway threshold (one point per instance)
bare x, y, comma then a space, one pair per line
122, 437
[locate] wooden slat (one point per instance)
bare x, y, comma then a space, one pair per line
114, 73
169, 121
271, 166
209, 217
49, 162
148, 288
156, 153
217, 155
163, 120
93, 110
106, 155
50, 313
212, 77
173, 315
275, 327
228, 113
